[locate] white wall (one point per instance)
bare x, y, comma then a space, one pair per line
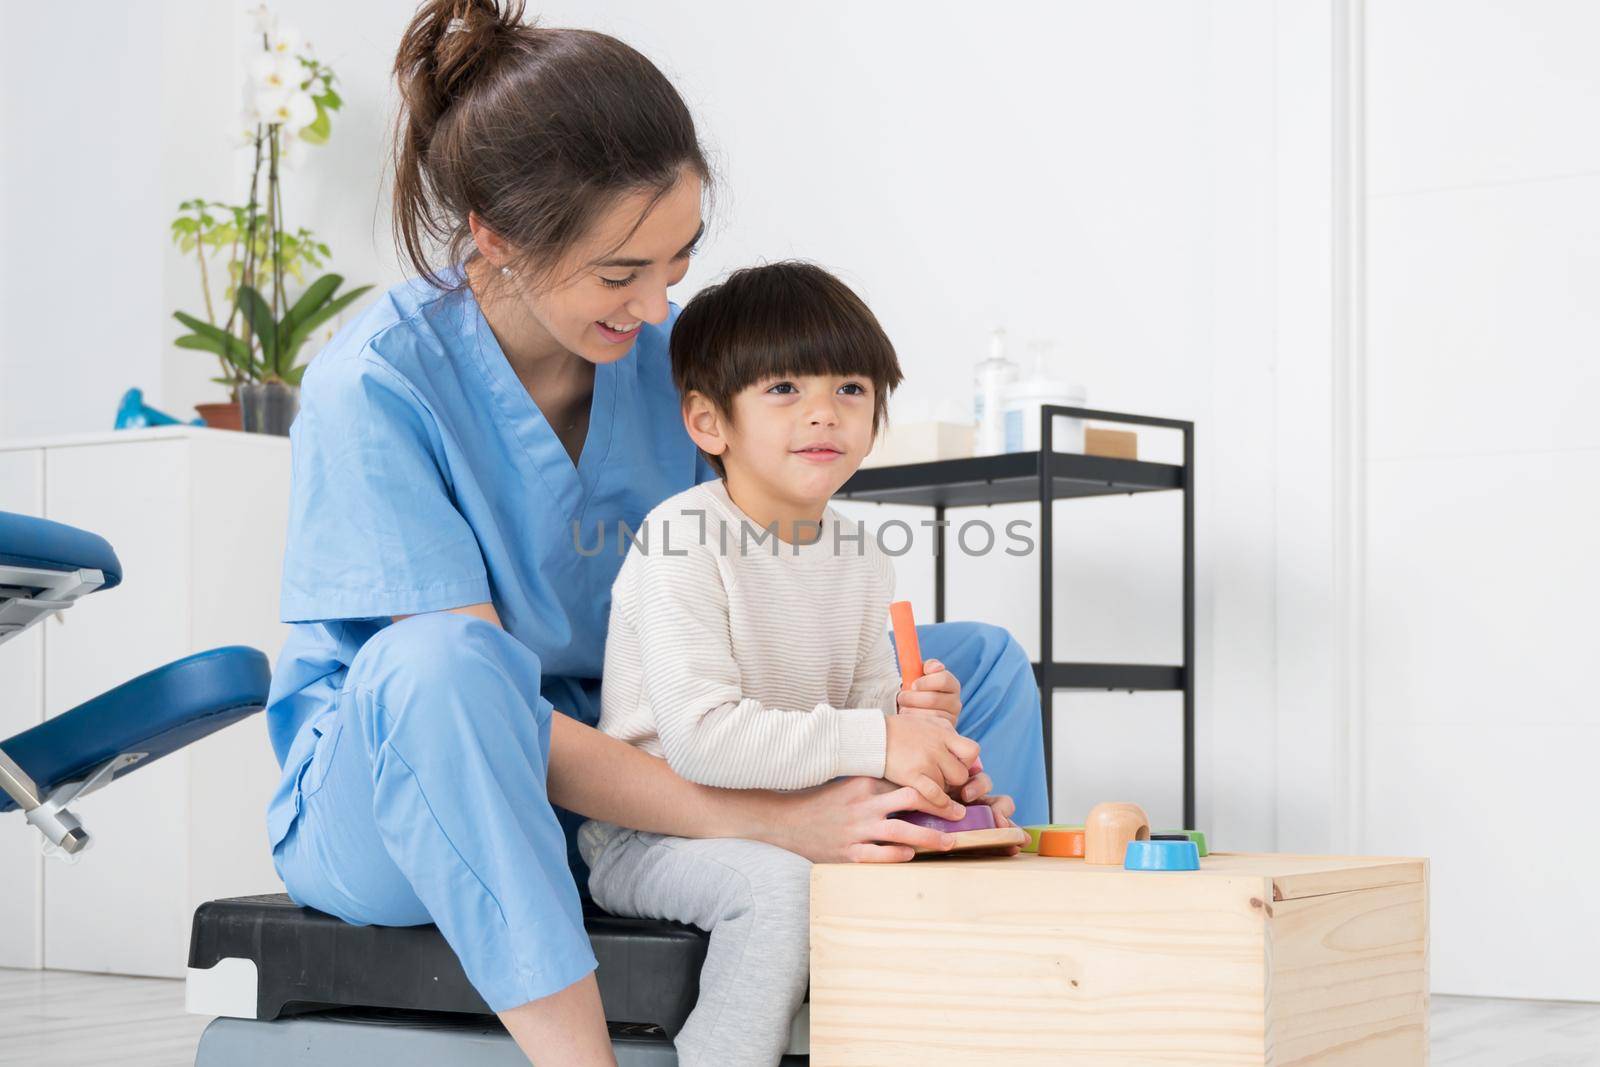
1483, 480
80, 218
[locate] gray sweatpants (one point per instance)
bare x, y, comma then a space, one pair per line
753, 899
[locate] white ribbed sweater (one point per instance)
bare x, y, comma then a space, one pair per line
749, 664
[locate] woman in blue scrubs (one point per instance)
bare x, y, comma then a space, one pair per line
457, 446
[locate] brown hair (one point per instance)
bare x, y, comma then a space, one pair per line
779, 320
537, 130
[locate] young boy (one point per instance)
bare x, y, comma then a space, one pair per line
748, 644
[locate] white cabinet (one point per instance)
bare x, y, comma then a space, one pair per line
197, 518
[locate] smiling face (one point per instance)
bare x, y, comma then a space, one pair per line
612, 281
789, 443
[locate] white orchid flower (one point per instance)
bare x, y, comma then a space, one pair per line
271, 72
285, 41
262, 19
291, 109
269, 102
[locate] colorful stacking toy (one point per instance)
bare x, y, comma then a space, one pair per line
1114, 828
976, 831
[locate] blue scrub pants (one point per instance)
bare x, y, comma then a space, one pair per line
425, 800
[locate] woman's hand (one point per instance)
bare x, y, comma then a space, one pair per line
937, 692
844, 820
847, 820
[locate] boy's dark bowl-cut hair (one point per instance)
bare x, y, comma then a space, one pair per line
779, 320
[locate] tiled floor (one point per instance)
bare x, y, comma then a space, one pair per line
63, 1019
1481, 1032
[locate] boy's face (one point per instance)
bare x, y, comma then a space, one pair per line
798, 439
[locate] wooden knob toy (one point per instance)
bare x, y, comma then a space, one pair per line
1109, 828
976, 831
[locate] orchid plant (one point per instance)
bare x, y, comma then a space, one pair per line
289, 103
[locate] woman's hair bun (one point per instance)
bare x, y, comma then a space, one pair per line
448, 46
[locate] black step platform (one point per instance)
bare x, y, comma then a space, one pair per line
649, 971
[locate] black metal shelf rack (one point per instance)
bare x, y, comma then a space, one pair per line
1046, 476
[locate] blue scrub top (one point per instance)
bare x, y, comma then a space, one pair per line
426, 478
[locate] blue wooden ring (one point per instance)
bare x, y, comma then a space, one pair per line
1162, 856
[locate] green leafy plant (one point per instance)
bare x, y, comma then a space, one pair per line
281, 339
214, 231
277, 341
291, 100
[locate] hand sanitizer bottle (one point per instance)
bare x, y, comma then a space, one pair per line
990, 382
1022, 418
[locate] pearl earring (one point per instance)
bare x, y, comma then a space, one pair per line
506, 271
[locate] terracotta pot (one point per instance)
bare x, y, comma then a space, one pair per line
221, 416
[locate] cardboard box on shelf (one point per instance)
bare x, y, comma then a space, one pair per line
920, 442
1117, 444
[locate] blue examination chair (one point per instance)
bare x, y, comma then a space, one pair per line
291, 985
46, 568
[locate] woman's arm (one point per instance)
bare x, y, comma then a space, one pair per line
603, 778
844, 821
597, 775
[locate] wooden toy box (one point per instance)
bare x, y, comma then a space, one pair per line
1254, 959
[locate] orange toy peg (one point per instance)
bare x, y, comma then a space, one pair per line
906, 648
1061, 843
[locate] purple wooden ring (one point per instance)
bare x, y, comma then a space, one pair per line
978, 817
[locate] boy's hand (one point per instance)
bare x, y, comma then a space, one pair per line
937, 692
925, 752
